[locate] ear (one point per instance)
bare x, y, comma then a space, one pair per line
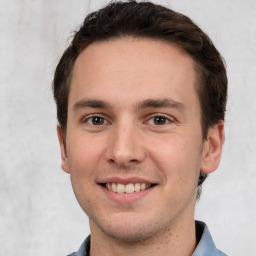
64, 158
212, 148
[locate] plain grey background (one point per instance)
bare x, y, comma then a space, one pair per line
38, 211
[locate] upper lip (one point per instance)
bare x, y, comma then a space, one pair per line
125, 181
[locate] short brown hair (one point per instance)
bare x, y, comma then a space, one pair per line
148, 20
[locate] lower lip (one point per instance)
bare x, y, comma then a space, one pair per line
126, 197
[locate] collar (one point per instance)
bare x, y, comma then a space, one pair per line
205, 246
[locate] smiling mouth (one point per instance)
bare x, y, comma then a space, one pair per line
128, 188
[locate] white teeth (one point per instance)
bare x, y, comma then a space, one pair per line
143, 186
114, 187
137, 187
129, 188
120, 188
109, 186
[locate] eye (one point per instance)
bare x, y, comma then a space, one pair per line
95, 120
158, 120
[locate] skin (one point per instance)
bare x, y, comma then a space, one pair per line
115, 81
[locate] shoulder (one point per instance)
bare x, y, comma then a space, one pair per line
206, 246
84, 248
220, 253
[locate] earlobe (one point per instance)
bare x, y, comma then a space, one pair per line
212, 148
64, 159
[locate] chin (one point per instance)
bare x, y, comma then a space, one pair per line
129, 231
130, 236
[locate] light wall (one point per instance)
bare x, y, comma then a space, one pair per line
38, 211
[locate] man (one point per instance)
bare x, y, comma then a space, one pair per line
141, 94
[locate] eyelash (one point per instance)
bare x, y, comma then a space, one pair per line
165, 120
86, 120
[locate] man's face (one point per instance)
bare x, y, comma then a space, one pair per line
134, 118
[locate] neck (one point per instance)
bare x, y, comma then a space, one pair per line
178, 240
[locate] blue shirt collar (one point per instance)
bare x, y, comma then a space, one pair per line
206, 246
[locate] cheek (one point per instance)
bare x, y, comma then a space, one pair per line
82, 158
179, 160
82, 191
83, 155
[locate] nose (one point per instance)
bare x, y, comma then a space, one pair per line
125, 146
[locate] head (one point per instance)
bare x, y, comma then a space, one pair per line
151, 26
147, 20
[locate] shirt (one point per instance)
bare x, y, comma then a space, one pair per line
205, 247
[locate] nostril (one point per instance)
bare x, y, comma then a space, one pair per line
111, 160
123, 162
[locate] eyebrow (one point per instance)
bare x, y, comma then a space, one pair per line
161, 103
148, 103
90, 103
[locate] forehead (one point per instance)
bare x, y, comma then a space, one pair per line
133, 68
